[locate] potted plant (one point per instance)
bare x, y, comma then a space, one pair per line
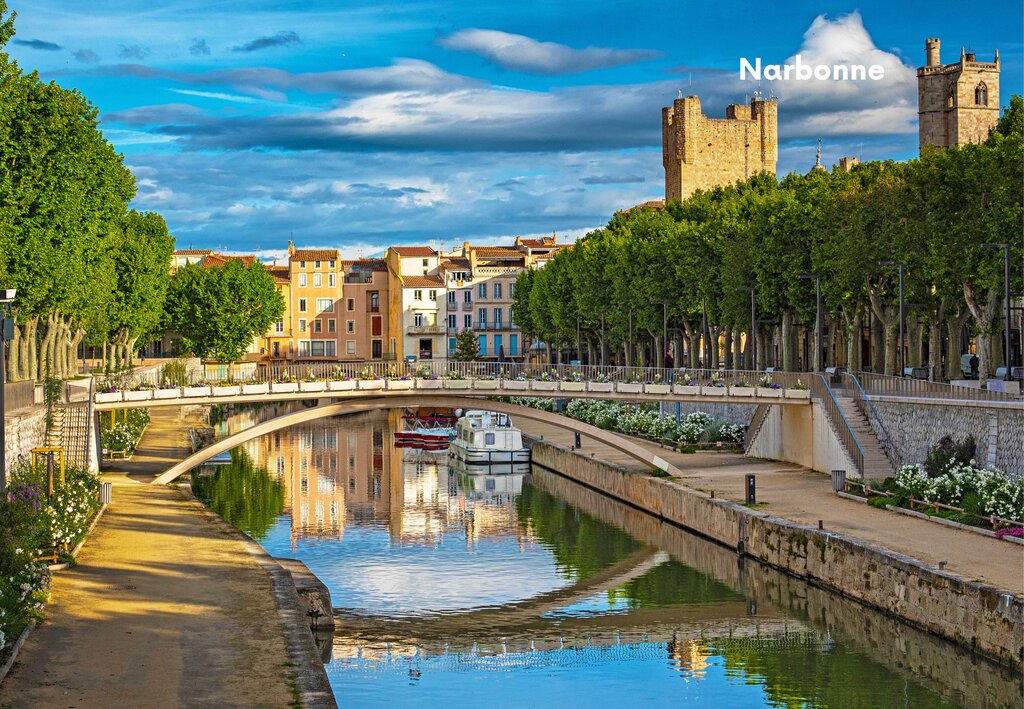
715, 387
426, 379
368, 379
768, 389
143, 392
601, 382
226, 388
108, 394
520, 383
255, 387
741, 387
167, 391
284, 384
455, 380
575, 382
486, 381
403, 382
200, 388
657, 386
634, 385
341, 381
685, 386
799, 391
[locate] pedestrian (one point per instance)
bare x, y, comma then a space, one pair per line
975, 364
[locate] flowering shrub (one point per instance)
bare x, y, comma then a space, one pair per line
30, 523
368, 375
646, 420
124, 435
966, 485
340, 376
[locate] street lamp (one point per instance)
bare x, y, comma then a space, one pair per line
753, 325
819, 359
6, 298
664, 325
899, 264
1006, 305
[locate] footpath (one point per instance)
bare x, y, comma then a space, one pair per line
805, 496
165, 608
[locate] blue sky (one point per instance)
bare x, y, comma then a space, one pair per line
364, 124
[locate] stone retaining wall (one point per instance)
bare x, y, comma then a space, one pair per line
912, 428
975, 615
733, 413
22, 433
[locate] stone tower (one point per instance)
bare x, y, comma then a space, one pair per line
956, 103
700, 153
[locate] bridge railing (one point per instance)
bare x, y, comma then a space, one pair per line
326, 371
883, 385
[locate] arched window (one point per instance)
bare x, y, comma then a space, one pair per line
981, 94
951, 99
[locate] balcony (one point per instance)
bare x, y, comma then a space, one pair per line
426, 330
493, 327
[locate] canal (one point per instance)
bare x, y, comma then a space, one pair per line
529, 590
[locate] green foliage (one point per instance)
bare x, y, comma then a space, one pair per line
646, 420
175, 372
466, 348
243, 494
218, 311
948, 452
124, 435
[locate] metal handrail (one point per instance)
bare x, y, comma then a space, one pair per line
820, 389
863, 402
885, 385
760, 415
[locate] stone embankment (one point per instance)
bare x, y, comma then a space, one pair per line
977, 615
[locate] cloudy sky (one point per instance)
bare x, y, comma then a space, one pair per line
362, 124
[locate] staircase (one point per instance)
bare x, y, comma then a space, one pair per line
70, 431
876, 463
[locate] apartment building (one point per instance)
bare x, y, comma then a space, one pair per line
315, 277
365, 327
417, 300
480, 283
278, 346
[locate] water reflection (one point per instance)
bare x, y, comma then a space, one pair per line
534, 591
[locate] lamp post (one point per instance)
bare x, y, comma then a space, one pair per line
819, 358
1006, 305
664, 325
899, 264
704, 331
579, 352
6, 298
629, 355
753, 325
604, 361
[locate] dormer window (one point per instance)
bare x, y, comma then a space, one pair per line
981, 94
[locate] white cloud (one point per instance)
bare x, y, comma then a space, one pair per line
521, 53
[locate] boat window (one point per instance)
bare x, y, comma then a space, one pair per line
488, 439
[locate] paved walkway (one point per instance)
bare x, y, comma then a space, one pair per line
164, 609
796, 493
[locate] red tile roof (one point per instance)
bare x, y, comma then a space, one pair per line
422, 281
414, 251
455, 264
314, 255
221, 259
496, 252
655, 204
193, 252
280, 274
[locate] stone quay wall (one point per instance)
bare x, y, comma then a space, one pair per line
23, 432
978, 616
740, 414
911, 428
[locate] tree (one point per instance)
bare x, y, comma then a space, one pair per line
219, 310
466, 346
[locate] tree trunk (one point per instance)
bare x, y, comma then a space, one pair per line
788, 341
727, 348
13, 356
915, 341
32, 354
954, 329
936, 315
984, 314
851, 328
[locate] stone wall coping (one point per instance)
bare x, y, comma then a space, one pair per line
972, 403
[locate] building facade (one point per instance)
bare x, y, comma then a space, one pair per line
418, 302
956, 103
315, 277
700, 153
366, 331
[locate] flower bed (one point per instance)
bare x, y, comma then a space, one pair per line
121, 437
33, 528
645, 420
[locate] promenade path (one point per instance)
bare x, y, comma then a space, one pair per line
164, 609
805, 496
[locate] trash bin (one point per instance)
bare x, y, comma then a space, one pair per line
839, 480
105, 492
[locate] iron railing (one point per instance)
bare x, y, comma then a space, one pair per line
851, 383
760, 414
884, 385
822, 391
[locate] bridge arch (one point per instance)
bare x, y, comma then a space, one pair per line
617, 442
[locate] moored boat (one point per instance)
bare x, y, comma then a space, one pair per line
487, 437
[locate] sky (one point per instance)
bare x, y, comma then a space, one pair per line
359, 125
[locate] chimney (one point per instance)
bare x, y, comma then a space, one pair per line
465, 249
931, 48
291, 248
970, 56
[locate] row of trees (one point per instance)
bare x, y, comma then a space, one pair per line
692, 261
85, 266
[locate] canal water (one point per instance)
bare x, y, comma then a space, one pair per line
453, 590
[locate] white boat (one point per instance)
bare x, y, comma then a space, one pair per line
486, 437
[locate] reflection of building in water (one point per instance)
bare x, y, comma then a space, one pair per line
345, 470
691, 657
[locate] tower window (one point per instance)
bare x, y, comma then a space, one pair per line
981, 94
951, 99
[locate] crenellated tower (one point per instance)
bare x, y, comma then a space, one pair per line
956, 103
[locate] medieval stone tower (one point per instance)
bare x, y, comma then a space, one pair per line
956, 103
700, 153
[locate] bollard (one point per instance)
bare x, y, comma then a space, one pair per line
821, 524
576, 436
105, 491
751, 490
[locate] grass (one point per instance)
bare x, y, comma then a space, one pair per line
659, 473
